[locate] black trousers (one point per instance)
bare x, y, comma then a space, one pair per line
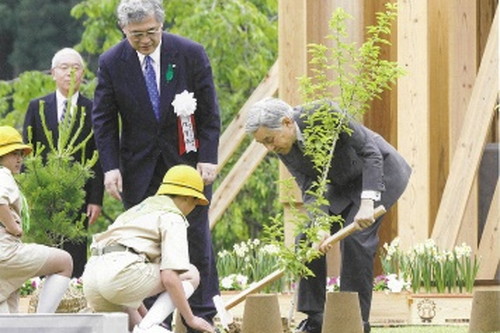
201, 253
77, 248
358, 254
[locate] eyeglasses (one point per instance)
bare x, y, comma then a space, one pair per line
67, 67
138, 35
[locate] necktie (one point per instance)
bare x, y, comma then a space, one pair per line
150, 76
64, 109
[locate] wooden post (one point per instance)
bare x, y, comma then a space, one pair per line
382, 117
470, 145
413, 119
439, 84
292, 59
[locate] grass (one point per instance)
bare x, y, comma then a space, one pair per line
422, 329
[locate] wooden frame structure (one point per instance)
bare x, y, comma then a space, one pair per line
440, 116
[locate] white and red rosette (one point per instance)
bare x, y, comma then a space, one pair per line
184, 107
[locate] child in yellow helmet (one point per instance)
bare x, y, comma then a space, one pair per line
19, 261
145, 252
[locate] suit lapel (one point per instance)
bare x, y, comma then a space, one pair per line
168, 74
50, 113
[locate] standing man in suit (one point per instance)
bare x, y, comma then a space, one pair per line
365, 171
68, 63
160, 87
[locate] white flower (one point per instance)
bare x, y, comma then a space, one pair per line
234, 281
223, 253
394, 284
184, 104
463, 250
242, 280
270, 249
430, 244
419, 248
440, 257
240, 249
227, 282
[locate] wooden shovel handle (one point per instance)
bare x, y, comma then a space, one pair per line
351, 228
277, 274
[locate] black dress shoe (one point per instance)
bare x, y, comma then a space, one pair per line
310, 325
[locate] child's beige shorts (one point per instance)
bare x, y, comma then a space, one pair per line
119, 279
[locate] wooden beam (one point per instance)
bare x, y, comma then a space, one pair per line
470, 145
235, 131
485, 14
463, 70
234, 181
489, 246
413, 119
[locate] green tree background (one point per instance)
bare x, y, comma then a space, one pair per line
31, 31
240, 37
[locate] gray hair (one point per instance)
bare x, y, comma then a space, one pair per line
269, 113
135, 11
61, 54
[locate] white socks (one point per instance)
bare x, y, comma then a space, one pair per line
163, 306
53, 290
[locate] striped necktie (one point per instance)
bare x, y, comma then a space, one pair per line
64, 109
150, 76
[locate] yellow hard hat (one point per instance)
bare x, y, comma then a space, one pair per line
183, 180
11, 140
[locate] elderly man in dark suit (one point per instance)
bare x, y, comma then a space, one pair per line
161, 88
65, 63
365, 170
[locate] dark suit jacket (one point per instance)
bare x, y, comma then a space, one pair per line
94, 187
362, 161
121, 93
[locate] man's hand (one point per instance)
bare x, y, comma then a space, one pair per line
93, 212
365, 215
322, 235
200, 324
113, 183
208, 172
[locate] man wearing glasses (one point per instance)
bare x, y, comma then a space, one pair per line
67, 71
155, 107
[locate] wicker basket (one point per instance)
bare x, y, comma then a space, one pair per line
73, 301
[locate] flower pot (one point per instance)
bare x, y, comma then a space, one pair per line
262, 314
342, 313
440, 309
485, 310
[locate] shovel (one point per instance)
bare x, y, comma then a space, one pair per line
277, 274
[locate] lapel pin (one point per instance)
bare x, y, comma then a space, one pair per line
170, 72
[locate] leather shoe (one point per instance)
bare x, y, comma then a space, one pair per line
310, 325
